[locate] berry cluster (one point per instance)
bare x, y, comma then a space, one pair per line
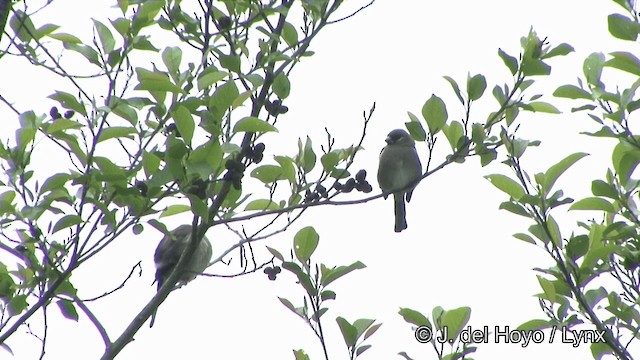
275, 107
224, 23
359, 183
198, 187
235, 172
272, 272
56, 115
254, 154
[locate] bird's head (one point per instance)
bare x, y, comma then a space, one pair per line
399, 137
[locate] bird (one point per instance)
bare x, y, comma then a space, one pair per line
169, 251
398, 168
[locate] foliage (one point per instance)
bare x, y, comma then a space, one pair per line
186, 92
177, 134
596, 278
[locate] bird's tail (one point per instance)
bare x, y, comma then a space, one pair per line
153, 318
399, 210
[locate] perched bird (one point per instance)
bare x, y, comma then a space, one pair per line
169, 251
399, 167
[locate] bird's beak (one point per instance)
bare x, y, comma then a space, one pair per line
388, 140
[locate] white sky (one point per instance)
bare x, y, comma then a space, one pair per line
458, 249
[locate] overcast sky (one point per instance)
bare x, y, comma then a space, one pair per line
458, 249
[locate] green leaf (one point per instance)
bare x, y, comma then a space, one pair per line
108, 170
116, 132
281, 85
67, 309
602, 188
20, 23
330, 275
68, 101
308, 159
17, 305
509, 61
624, 61
507, 185
61, 124
454, 320
66, 221
290, 34
198, 206
539, 106
414, 317
45, 30
476, 86
6, 202
577, 246
538, 231
434, 112
361, 349
121, 25
55, 182
185, 123
533, 67
415, 128
86, 51
371, 330
300, 355
175, 209
560, 50
208, 78
571, 92
303, 277
622, 27
330, 160
548, 288
253, 124
172, 57
150, 163
275, 253
498, 93
625, 159
600, 349
241, 98
288, 169
554, 230
105, 36
349, 332
124, 110
290, 306
268, 173
66, 38
486, 157
155, 81
554, 172
514, 208
230, 62
594, 296
305, 243
455, 87
592, 203
223, 98
362, 325
453, 132
525, 238
592, 68
328, 295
